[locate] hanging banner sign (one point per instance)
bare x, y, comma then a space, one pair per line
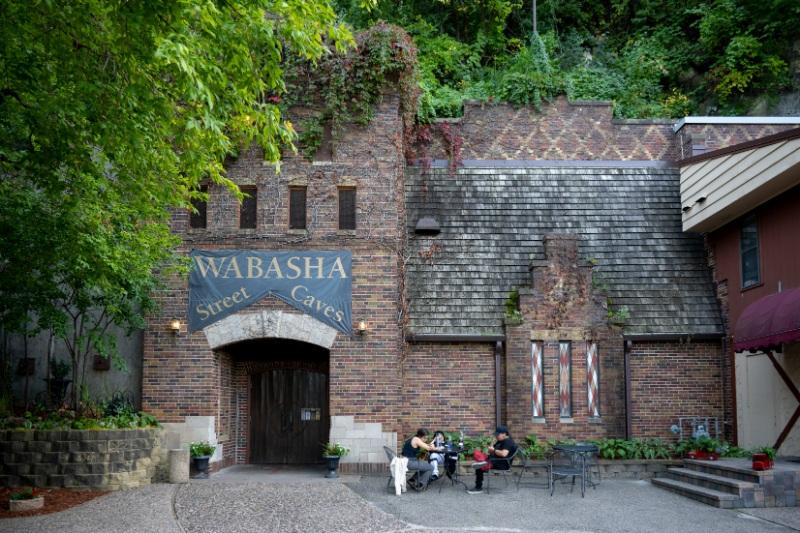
225, 281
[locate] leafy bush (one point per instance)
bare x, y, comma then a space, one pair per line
66, 419
119, 403
334, 449
634, 449
22, 494
201, 449
59, 369
536, 448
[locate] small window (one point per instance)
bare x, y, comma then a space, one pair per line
297, 208
197, 217
751, 271
248, 209
347, 209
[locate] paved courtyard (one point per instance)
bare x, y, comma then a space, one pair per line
252, 499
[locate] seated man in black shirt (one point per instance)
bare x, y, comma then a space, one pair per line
499, 455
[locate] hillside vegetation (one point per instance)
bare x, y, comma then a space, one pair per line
652, 58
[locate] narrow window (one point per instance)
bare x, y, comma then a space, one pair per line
751, 274
537, 382
249, 208
197, 217
593, 379
347, 209
297, 208
565, 379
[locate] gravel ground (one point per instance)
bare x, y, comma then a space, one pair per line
614, 507
245, 507
234, 505
144, 510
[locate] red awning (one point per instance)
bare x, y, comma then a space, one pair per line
769, 322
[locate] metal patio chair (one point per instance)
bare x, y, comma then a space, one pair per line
563, 465
528, 465
504, 473
410, 474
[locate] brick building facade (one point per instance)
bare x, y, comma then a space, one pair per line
578, 212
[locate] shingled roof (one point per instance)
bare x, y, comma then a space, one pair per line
493, 218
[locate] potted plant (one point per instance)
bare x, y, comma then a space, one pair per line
25, 500
763, 458
201, 453
705, 448
332, 452
59, 370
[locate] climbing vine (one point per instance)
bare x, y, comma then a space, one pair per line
344, 88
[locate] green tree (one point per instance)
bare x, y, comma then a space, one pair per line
111, 114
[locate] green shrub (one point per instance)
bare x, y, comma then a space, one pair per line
535, 448
22, 494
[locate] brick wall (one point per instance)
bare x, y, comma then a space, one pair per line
183, 377
448, 386
560, 130
716, 136
670, 380
561, 305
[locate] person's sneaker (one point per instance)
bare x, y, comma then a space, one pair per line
475, 490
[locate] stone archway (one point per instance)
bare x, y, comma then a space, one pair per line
269, 324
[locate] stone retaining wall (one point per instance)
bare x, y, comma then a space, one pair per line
609, 469
97, 459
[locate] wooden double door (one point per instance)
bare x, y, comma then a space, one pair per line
289, 417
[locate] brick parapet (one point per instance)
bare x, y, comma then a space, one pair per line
561, 130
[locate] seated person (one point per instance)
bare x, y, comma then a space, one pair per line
499, 452
437, 458
411, 449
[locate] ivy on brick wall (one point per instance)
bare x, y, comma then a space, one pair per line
344, 88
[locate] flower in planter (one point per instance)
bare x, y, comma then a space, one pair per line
334, 449
201, 449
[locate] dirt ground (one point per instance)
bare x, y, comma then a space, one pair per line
54, 500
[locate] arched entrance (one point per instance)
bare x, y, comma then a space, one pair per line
279, 367
288, 399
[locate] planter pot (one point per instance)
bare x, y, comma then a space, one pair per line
332, 464
700, 454
58, 390
26, 505
761, 461
201, 466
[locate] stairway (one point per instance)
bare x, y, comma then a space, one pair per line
731, 483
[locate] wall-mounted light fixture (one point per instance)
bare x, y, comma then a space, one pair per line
361, 329
175, 326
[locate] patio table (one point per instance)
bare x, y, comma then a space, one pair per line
579, 453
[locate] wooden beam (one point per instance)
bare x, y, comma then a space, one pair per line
792, 387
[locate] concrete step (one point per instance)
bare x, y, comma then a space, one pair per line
708, 496
711, 481
723, 469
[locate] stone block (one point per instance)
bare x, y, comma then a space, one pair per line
33, 480
99, 468
346, 422
91, 480
74, 468
44, 468
179, 465
20, 435
56, 480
